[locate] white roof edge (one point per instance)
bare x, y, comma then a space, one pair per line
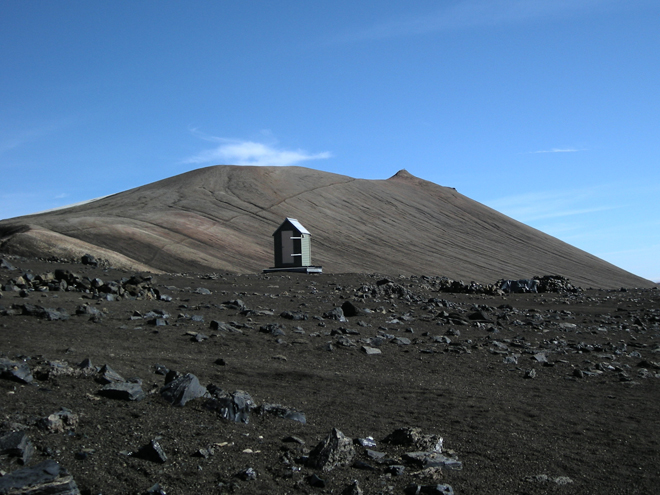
298, 225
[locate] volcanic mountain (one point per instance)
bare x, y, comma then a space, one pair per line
222, 219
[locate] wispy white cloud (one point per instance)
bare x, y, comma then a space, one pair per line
244, 152
542, 205
472, 13
558, 150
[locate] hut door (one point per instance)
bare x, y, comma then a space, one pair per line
287, 247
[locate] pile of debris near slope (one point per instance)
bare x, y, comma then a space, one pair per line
547, 283
388, 289
134, 287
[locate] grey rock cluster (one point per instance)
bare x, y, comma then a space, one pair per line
134, 287
427, 460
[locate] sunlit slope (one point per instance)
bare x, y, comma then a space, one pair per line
222, 219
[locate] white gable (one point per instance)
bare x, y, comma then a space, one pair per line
298, 225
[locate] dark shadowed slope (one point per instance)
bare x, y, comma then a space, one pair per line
222, 218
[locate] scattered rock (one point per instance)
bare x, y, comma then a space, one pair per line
335, 314
282, 412
59, 421
432, 459
248, 474
17, 444
123, 391
439, 489
233, 407
315, 481
349, 309
17, 371
352, 489
370, 351
45, 478
152, 452
413, 437
183, 389
108, 375
334, 451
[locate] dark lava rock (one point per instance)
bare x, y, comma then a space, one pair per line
432, 459
315, 481
15, 370
273, 328
335, 314
88, 259
17, 444
429, 490
248, 474
223, 327
282, 412
233, 407
64, 419
479, 316
45, 478
108, 375
235, 304
396, 470
49, 314
351, 309
183, 389
152, 452
352, 489
86, 364
156, 490
335, 450
123, 391
413, 437
294, 315
6, 265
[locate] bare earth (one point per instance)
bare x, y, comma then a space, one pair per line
587, 421
222, 218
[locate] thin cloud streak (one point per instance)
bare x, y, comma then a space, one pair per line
557, 150
552, 204
471, 13
242, 152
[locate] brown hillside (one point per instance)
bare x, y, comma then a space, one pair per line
222, 218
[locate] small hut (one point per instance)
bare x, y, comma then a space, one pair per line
293, 248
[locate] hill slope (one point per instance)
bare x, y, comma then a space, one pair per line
222, 218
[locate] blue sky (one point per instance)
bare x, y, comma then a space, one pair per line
546, 110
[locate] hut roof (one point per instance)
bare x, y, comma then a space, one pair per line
296, 224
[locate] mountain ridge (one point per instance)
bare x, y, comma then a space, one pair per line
221, 218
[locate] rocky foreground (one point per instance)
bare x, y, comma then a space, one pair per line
117, 382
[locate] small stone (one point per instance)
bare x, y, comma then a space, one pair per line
47, 477
60, 421
108, 375
17, 444
370, 351
429, 490
315, 481
152, 452
183, 389
123, 391
16, 371
352, 489
248, 474
396, 470
334, 451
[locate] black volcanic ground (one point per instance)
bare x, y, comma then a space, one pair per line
531, 393
222, 218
